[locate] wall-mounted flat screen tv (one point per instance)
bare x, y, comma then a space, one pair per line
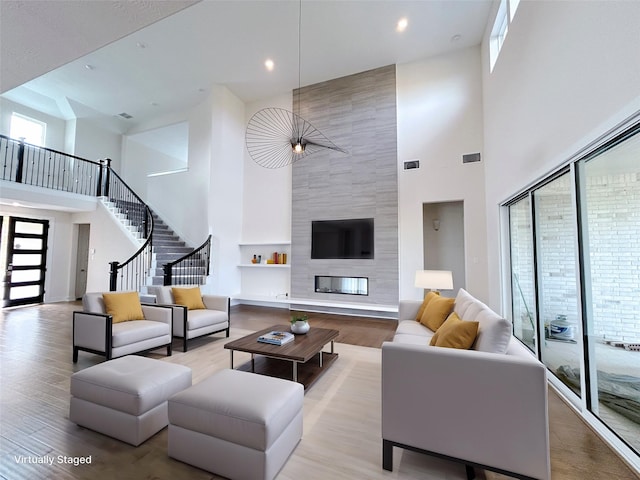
342, 238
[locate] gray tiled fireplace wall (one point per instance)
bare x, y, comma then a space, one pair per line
357, 113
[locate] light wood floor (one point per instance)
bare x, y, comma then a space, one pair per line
35, 366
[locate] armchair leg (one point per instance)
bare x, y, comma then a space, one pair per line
227, 331
387, 455
75, 354
169, 350
184, 345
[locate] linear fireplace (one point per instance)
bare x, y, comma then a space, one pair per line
342, 285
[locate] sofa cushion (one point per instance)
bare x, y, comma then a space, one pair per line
427, 298
494, 331
123, 306
455, 333
436, 312
126, 333
189, 297
205, 318
409, 327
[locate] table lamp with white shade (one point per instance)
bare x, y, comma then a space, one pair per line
435, 280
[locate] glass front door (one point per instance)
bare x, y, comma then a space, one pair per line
24, 250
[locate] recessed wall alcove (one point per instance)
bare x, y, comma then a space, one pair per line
357, 113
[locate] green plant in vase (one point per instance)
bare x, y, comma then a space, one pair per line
299, 323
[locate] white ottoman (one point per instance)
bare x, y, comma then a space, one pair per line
126, 398
236, 424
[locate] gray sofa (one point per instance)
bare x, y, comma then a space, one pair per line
485, 407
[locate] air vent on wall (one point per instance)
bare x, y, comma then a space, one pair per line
471, 157
411, 164
125, 115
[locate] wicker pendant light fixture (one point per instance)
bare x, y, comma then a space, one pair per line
276, 137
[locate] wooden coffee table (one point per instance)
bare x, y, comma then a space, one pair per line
304, 353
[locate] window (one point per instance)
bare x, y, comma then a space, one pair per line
31, 130
506, 12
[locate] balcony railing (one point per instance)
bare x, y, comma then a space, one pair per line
42, 167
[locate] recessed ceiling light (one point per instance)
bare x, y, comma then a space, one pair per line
269, 65
402, 24
154, 104
89, 67
141, 45
456, 38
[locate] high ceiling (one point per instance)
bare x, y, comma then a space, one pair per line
156, 65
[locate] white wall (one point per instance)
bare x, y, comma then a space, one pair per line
568, 72
94, 142
266, 202
440, 119
226, 189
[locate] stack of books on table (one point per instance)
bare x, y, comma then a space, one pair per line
276, 338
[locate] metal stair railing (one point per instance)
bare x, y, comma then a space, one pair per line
133, 273
191, 268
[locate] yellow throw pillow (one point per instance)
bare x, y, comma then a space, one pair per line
123, 306
427, 298
455, 333
437, 311
189, 297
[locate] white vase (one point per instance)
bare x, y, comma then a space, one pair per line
300, 327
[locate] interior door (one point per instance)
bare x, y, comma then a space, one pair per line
82, 260
26, 260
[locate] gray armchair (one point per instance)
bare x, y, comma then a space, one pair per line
94, 330
188, 324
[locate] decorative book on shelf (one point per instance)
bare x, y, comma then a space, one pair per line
276, 338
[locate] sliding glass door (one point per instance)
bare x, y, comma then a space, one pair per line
610, 220
559, 315
574, 253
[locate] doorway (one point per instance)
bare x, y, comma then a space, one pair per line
82, 259
443, 239
23, 250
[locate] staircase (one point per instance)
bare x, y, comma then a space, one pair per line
120, 213
166, 247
